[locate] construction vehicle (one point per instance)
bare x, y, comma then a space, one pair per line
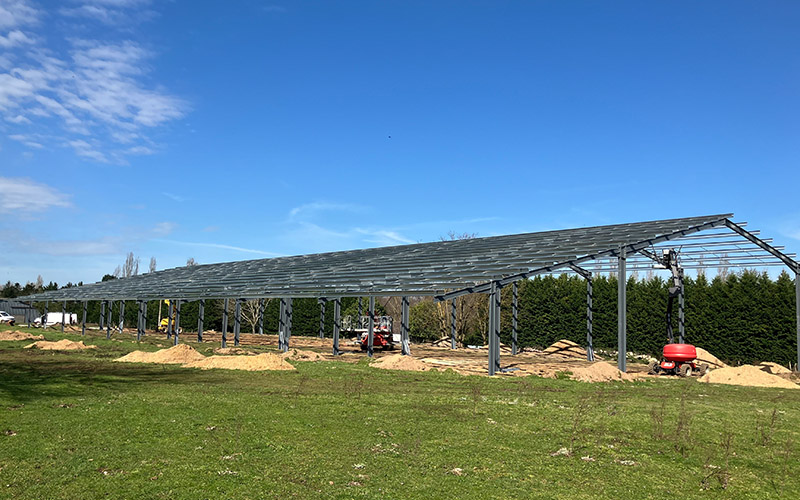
163, 325
382, 336
677, 358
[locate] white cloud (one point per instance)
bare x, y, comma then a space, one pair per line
308, 210
383, 237
15, 13
222, 247
108, 11
24, 139
174, 197
88, 88
13, 38
21, 195
164, 228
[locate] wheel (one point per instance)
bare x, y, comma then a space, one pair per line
685, 370
703, 369
652, 368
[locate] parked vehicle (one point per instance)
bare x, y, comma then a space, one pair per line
6, 318
55, 318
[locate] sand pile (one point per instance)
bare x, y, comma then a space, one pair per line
400, 362
179, 354
746, 375
773, 368
264, 361
706, 357
233, 351
566, 348
599, 372
17, 335
61, 345
299, 355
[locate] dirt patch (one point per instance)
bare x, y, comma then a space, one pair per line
706, 357
179, 354
773, 368
400, 362
17, 335
300, 355
747, 375
233, 351
261, 362
599, 372
567, 349
61, 345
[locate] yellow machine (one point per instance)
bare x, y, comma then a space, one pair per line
163, 326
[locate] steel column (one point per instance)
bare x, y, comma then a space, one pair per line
622, 304
144, 320
281, 322
225, 323
29, 313
83, 319
322, 318
405, 348
492, 331
797, 312
121, 315
681, 320
371, 327
589, 319
453, 324
63, 315
237, 322
514, 318
497, 311
110, 315
46, 307
102, 314
360, 311
177, 331
169, 317
201, 313
139, 320
261, 316
288, 335
337, 323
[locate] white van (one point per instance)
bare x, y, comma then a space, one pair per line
55, 318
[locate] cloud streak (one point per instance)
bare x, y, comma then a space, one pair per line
21, 195
220, 246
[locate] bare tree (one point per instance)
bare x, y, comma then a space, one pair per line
117, 272
39, 282
152, 264
191, 262
468, 307
131, 266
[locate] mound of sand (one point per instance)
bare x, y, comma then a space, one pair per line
299, 355
179, 354
266, 361
17, 335
61, 345
566, 348
599, 372
233, 351
400, 362
748, 375
773, 368
706, 357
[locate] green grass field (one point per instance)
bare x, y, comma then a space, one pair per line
77, 425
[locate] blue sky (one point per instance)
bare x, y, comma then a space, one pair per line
247, 129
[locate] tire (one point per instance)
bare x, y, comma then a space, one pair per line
685, 370
652, 368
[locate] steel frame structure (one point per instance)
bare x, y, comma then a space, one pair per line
446, 270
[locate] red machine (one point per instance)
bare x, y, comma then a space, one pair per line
381, 335
679, 359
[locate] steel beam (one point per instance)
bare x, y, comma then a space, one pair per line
371, 327
237, 322
405, 347
177, 322
514, 316
322, 318
622, 308
765, 246
337, 324
225, 323
201, 313
453, 324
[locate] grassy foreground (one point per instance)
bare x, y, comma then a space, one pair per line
76, 425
